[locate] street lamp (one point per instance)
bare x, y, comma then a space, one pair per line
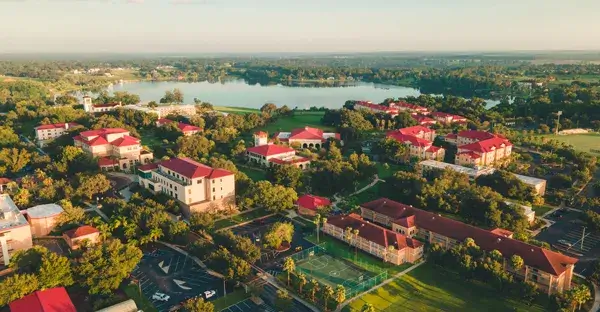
558, 120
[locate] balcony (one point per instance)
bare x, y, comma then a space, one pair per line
172, 178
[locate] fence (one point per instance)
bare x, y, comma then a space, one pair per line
308, 252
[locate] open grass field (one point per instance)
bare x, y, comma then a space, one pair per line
541, 210
431, 289
299, 120
240, 218
236, 110
428, 288
231, 299
581, 142
332, 271
254, 174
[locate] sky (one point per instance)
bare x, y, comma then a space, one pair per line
252, 26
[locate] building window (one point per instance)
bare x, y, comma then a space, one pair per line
190, 191
213, 189
199, 181
214, 197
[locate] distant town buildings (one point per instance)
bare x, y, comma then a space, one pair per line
418, 139
446, 118
197, 187
392, 109
552, 272
160, 110
15, 232
306, 137
267, 154
114, 147
424, 120
46, 133
186, 129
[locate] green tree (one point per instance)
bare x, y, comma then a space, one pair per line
317, 222
279, 233
269, 108
275, 198
55, 271
283, 301
152, 104
71, 214
195, 146
178, 96
202, 221
289, 266
198, 305
16, 287
13, 160
301, 281
90, 185
314, 288
367, 307
328, 293
286, 175
516, 262
103, 267
403, 120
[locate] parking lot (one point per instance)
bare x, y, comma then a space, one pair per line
248, 306
269, 295
175, 275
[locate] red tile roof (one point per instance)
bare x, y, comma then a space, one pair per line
163, 121
410, 106
261, 133
451, 136
312, 202
187, 128
107, 105
269, 150
294, 160
503, 232
471, 155
377, 107
57, 126
106, 162
49, 300
537, 257
125, 141
453, 118
192, 169
486, 145
97, 141
423, 120
148, 167
413, 140
81, 231
372, 232
4, 181
433, 149
476, 135
306, 133
414, 130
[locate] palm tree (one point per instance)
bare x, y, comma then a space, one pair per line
301, 281
367, 308
317, 221
340, 295
355, 234
327, 294
390, 249
314, 288
348, 235
289, 266
516, 262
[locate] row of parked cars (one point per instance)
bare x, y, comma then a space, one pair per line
164, 297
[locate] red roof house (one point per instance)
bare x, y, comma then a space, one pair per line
192, 169
269, 150
309, 204
57, 126
49, 300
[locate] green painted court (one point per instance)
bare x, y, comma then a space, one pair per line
333, 271
589, 142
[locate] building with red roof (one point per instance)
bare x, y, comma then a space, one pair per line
552, 272
197, 187
46, 133
380, 242
4, 184
114, 147
49, 300
186, 129
480, 148
424, 120
267, 154
376, 108
408, 107
75, 237
418, 139
90, 107
310, 204
446, 118
306, 137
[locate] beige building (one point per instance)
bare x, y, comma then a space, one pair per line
418, 139
114, 147
380, 242
267, 154
76, 237
479, 148
15, 232
43, 218
552, 272
306, 137
195, 186
46, 133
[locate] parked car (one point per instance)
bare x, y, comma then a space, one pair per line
160, 297
209, 293
564, 242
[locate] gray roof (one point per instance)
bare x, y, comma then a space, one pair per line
125, 306
44, 211
10, 216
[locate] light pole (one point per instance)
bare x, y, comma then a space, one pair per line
582, 238
558, 120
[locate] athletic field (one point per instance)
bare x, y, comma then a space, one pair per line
589, 142
333, 271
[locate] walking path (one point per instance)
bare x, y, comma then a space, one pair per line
387, 281
596, 306
275, 283
95, 208
336, 199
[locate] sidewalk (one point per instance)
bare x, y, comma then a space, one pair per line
95, 208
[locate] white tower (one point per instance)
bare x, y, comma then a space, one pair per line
261, 138
87, 104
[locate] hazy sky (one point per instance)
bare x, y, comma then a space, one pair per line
297, 25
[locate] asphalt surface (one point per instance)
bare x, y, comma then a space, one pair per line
175, 275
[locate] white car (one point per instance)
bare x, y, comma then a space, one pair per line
209, 293
564, 242
160, 297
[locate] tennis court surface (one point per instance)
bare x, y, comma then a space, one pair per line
333, 271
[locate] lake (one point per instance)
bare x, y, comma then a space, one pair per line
238, 93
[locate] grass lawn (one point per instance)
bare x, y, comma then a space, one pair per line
231, 299
384, 173
299, 120
133, 292
369, 194
428, 288
541, 210
342, 250
581, 142
149, 138
254, 174
236, 110
240, 218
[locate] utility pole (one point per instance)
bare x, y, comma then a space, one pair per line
558, 120
582, 238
